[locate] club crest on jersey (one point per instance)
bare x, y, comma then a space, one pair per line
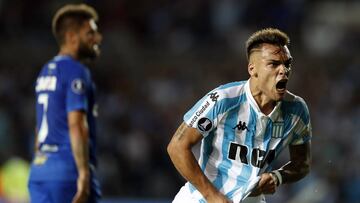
78, 86
277, 130
204, 124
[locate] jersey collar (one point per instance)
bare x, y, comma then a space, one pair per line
275, 113
62, 57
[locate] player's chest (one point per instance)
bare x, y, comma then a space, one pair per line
240, 127
250, 141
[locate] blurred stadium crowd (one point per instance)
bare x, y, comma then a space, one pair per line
161, 56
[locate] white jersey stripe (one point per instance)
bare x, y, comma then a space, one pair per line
226, 164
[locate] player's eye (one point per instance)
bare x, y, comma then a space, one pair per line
91, 33
288, 63
274, 64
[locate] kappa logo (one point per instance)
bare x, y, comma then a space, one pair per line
204, 124
214, 96
241, 126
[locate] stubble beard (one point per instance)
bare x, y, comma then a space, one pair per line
86, 53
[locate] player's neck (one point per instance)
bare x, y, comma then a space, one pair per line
68, 52
265, 104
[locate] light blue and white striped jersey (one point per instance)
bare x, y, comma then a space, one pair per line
240, 142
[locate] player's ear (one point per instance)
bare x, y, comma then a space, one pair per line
252, 69
71, 37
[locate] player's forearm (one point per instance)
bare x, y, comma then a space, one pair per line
36, 143
79, 145
299, 165
185, 162
79, 138
292, 172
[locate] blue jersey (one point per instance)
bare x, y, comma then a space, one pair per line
240, 142
63, 85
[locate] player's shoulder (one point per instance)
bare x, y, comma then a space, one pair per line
218, 101
230, 90
68, 63
293, 99
70, 69
228, 96
295, 104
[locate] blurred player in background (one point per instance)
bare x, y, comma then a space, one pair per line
243, 127
63, 167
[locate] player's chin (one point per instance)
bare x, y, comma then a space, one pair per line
97, 53
96, 50
279, 95
88, 53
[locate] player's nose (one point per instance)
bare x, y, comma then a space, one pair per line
98, 37
284, 70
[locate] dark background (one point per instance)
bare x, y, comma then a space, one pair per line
159, 57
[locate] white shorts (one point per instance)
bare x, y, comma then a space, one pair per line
184, 195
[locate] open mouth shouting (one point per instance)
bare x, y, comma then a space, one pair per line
281, 85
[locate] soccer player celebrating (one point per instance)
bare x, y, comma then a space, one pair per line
243, 127
63, 167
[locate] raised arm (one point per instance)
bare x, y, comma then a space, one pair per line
179, 150
79, 137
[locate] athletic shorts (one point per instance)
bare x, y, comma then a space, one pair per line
56, 192
184, 195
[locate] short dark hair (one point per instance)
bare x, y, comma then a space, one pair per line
269, 36
71, 16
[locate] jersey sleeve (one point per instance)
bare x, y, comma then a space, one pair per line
303, 130
208, 111
203, 115
76, 90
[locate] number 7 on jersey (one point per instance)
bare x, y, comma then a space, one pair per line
43, 131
